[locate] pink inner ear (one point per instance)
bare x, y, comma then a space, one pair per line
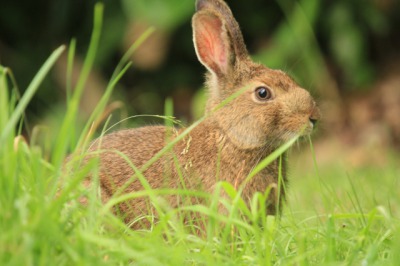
211, 47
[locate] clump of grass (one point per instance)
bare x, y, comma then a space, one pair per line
348, 222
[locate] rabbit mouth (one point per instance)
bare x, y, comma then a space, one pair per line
307, 129
304, 131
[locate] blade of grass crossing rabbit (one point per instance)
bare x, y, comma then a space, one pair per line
270, 158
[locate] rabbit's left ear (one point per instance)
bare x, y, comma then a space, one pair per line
212, 42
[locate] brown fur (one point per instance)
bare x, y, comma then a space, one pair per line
232, 139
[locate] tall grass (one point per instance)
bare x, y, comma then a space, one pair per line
331, 217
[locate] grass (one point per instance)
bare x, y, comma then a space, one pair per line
334, 216
349, 218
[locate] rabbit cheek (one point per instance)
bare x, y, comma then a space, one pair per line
244, 139
244, 132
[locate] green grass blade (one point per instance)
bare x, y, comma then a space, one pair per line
119, 71
64, 135
126, 57
30, 91
272, 157
70, 65
4, 104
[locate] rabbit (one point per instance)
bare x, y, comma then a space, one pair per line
232, 139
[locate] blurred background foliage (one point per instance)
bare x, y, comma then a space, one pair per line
345, 52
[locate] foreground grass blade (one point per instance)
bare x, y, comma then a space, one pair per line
4, 100
30, 91
119, 71
65, 132
273, 156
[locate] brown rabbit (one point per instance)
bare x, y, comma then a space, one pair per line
231, 140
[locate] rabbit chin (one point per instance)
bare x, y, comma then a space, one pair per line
302, 132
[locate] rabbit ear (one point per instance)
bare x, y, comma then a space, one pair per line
217, 37
211, 42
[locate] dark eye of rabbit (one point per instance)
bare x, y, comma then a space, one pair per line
263, 93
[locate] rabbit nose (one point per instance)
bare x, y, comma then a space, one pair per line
314, 116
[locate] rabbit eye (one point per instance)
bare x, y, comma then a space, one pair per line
263, 93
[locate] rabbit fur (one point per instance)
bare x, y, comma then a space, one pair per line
231, 140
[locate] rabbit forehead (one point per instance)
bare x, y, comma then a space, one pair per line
275, 79
279, 79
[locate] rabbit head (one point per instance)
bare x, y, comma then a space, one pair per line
270, 108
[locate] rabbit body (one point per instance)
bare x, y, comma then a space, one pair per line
234, 137
205, 157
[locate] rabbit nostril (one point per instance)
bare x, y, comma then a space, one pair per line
314, 116
313, 121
